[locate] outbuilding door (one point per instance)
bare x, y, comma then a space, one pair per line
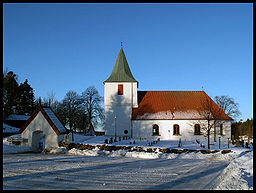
38, 141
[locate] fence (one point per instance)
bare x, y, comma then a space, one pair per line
15, 140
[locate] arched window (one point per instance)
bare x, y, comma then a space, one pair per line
176, 129
155, 130
197, 129
222, 132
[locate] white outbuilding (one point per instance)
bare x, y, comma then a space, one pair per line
43, 130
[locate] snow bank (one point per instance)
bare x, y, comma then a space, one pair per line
58, 150
85, 152
147, 155
143, 155
11, 148
118, 153
238, 175
93, 140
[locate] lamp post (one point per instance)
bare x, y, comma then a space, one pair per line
228, 142
219, 142
115, 127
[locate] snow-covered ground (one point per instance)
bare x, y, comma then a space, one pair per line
123, 169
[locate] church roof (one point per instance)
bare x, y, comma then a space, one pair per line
121, 71
176, 105
50, 116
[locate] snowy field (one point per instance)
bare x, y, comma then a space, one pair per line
127, 170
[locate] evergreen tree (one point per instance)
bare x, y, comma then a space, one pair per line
242, 128
26, 103
10, 94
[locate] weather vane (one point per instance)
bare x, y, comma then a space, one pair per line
121, 43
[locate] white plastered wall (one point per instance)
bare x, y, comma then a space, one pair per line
119, 105
111, 98
144, 128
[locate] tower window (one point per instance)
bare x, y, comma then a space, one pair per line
120, 89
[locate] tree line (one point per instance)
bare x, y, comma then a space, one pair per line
74, 111
241, 128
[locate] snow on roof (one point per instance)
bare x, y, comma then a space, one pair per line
54, 119
17, 117
9, 129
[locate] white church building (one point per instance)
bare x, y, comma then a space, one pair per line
167, 115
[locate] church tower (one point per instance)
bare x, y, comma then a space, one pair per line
120, 96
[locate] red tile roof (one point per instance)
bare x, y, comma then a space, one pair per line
175, 105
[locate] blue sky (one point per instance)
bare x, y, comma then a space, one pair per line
62, 47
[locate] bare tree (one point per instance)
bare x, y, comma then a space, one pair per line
228, 106
50, 100
71, 104
92, 105
208, 115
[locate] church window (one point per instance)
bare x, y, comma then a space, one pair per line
176, 129
120, 89
197, 129
221, 129
155, 129
125, 131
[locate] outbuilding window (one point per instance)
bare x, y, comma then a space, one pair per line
155, 129
120, 89
176, 129
197, 129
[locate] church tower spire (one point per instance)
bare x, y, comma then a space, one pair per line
121, 71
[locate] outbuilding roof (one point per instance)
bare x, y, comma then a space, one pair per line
176, 105
50, 116
121, 71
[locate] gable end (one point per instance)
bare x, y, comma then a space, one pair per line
35, 113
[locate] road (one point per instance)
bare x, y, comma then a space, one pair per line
69, 172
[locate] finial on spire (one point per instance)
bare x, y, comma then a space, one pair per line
121, 43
